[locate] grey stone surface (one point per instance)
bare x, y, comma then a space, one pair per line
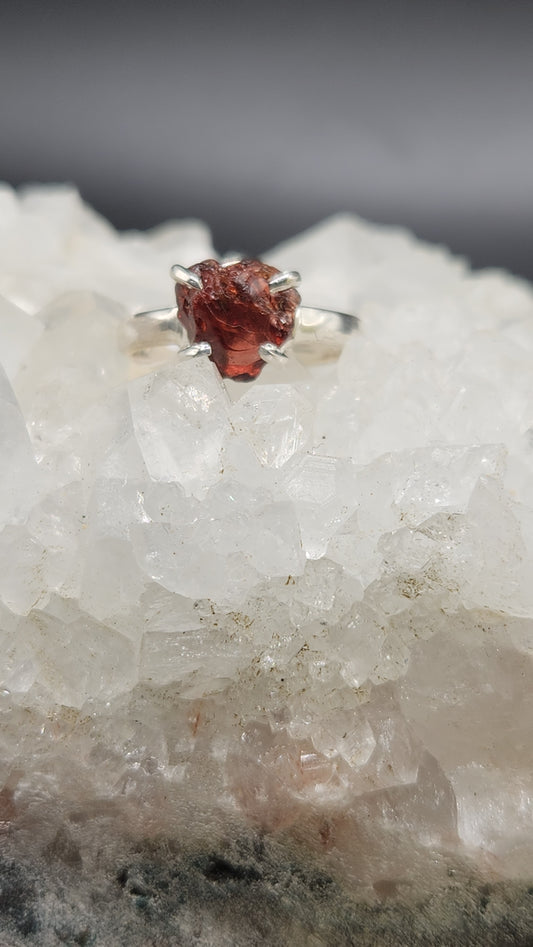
255, 891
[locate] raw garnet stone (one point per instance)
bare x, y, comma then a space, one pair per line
236, 313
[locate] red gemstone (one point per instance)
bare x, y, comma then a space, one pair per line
236, 313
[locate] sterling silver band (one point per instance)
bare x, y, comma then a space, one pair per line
319, 334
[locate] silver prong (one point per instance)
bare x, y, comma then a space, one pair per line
270, 352
287, 280
230, 258
195, 350
180, 274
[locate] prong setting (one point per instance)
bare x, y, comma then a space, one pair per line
195, 350
271, 353
289, 279
180, 274
229, 259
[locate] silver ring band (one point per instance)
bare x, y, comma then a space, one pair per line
319, 334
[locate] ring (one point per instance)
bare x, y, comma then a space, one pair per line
242, 313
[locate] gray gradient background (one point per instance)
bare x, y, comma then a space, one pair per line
262, 118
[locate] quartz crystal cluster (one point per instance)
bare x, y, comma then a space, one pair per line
266, 650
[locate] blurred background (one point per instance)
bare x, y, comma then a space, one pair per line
264, 117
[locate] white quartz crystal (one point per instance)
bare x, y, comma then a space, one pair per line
303, 605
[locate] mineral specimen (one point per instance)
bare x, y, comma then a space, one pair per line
266, 671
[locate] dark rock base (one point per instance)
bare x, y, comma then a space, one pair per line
248, 893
